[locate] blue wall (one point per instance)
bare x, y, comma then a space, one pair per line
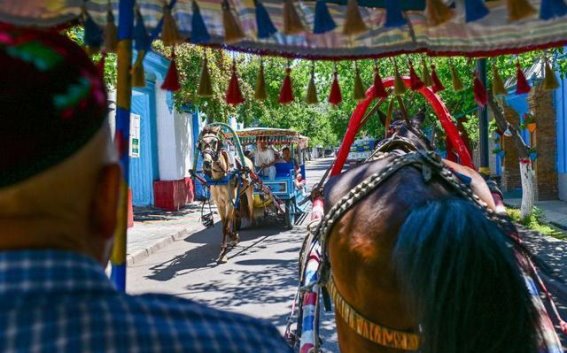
561, 107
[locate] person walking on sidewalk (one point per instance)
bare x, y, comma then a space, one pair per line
59, 185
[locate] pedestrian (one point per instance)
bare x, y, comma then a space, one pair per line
59, 187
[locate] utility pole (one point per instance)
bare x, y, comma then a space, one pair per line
484, 167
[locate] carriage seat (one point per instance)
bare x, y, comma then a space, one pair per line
284, 170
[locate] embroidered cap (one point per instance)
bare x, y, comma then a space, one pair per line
52, 101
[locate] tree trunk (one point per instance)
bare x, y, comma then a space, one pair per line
526, 168
528, 188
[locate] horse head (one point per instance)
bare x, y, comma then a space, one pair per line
209, 145
409, 131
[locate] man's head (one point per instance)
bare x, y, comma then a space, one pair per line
262, 146
286, 153
59, 180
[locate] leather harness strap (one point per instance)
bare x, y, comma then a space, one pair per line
376, 333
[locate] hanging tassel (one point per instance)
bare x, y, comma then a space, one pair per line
170, 33
138, 74
110, 33
519, 9
323, 22
552, 8
141, 38
437, 12
522, 85
399, 86
286, 92
199, 32
475, 10
415, 82
233, 93
394, 15
437, 85
92, 35
550, 82
353, 22
171, 81
292, 22
379, 89
264, 23
498, 88
232, 29
205, 87
260, 92
426, 76
358, 89
457, 83
479, 91
311, 97
335, 96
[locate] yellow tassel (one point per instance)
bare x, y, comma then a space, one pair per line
550, 81
498, 88
311, 93
426, 76
292, 22
457, 83
138, 75
438, 12
353, 22
110, 34
205, 87
170, 33
260, 92
358, 90
232, 30
399, 85
519, 9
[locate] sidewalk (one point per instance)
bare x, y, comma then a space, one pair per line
154, 229
555, 211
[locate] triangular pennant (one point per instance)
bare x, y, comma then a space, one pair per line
498, 88
232, 29
394, 15
437, 85
475, 10
519, 9
171, 81
292, 22
311, 97
260, 92
205, 87
353, 24
286, 91
92, 38
169, 33
358, 89
233, 93
457, 83
399, 85
264, 23
141, 38
550, 81
522, 85
323, 22
379, 89
415, 82
335, 95
437, 12
199, 32
552, 8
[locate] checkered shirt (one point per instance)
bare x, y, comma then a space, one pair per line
55, 301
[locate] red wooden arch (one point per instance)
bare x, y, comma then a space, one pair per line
436, 103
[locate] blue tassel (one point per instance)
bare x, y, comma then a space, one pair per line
552, 8
475, 10
141, 37
265, 25
199, 32
323, 21
394, 16
93, 33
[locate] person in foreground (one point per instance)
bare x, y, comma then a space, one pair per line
59, 183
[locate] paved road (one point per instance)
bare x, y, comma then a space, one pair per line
260, 278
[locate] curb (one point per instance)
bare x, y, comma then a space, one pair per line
160, 244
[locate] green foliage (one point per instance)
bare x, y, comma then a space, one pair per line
536, 221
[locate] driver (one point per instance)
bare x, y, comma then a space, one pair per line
264, 159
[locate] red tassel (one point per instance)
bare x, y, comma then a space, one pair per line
379, 89
522, 85
171, 82
415, 82
286, 92
437, 84
233, 93
335, 96
479, 91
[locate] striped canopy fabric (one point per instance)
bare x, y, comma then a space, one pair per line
491, 35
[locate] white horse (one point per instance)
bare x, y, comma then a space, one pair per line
224, 194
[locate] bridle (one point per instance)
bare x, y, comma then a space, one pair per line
210, 144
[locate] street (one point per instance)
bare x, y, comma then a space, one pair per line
260, 278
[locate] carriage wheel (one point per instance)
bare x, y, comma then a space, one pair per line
289, 214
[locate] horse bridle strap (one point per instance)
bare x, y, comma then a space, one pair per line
373, 332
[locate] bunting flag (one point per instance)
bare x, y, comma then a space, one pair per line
335, 95
232, 29
171, 81
475, 10
323, 22
552, 8
353, 23
394, 15
415, 82
170, 33
292, 22
437, 12
437, 85
379, 89
199, 32
519, 9
264, 23
205, 88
